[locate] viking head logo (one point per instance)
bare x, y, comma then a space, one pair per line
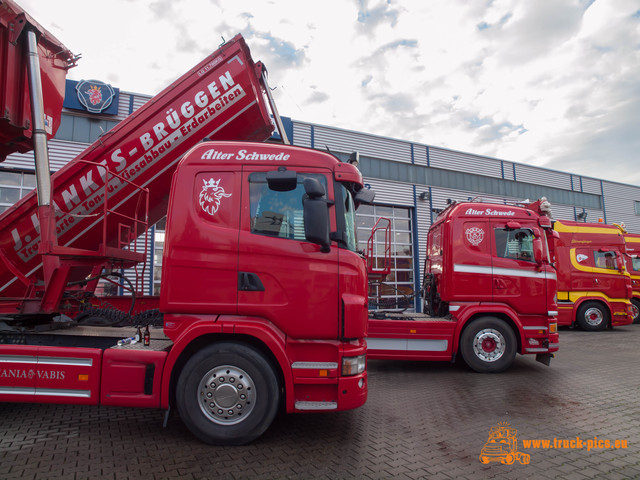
211, 195
474, 235
95, 95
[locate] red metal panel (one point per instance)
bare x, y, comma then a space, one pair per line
15, 109
50, 374
68, 375
220, 98
17, 373
125, 373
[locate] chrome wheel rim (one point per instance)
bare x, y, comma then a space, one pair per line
226, 394
593, 316
489, 345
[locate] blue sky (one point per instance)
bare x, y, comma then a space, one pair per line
547, 83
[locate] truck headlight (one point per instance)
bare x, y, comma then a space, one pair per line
353, 365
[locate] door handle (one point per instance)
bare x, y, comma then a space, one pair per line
499, 283
249, 282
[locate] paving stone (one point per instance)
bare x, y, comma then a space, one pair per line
422, 420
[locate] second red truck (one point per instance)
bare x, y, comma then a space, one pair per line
490, 291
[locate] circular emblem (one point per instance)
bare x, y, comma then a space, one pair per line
474, 235
31, 374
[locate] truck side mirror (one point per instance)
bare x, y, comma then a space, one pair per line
537, 250
545, 222
364, 196
316, 214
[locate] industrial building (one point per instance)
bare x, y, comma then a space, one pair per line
412, 181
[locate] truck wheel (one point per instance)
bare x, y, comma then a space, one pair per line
488, 345
592, 316
636, 310
524, 458
227, 394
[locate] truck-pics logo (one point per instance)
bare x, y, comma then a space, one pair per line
474, 235
211, 195
581, 257
502, 446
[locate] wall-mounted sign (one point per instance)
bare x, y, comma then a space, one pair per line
92, 96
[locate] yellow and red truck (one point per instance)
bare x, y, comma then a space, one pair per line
632, 262
594, 286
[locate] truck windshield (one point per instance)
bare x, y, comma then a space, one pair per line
349, 212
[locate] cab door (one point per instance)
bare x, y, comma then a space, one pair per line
282, 277
469, 255
517, 279
606, 276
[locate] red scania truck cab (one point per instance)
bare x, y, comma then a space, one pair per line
594, 287
263, 301
489, 292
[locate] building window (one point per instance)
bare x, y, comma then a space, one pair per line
83, 129
158, 248
14, 186
637, 206
394, 291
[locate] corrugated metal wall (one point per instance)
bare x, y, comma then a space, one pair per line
619, 205
420, 155
124, 104
60, 152
541, 176
391, 193
139, 100
587, 185
302, 134
368, 145
464, 162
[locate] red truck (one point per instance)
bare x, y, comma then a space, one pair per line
263, 303
489, 292
594, 287
632, 263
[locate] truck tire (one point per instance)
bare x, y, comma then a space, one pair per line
636, 310
227, 394
488, 345
592, 316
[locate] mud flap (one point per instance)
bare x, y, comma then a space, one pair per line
544, 358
